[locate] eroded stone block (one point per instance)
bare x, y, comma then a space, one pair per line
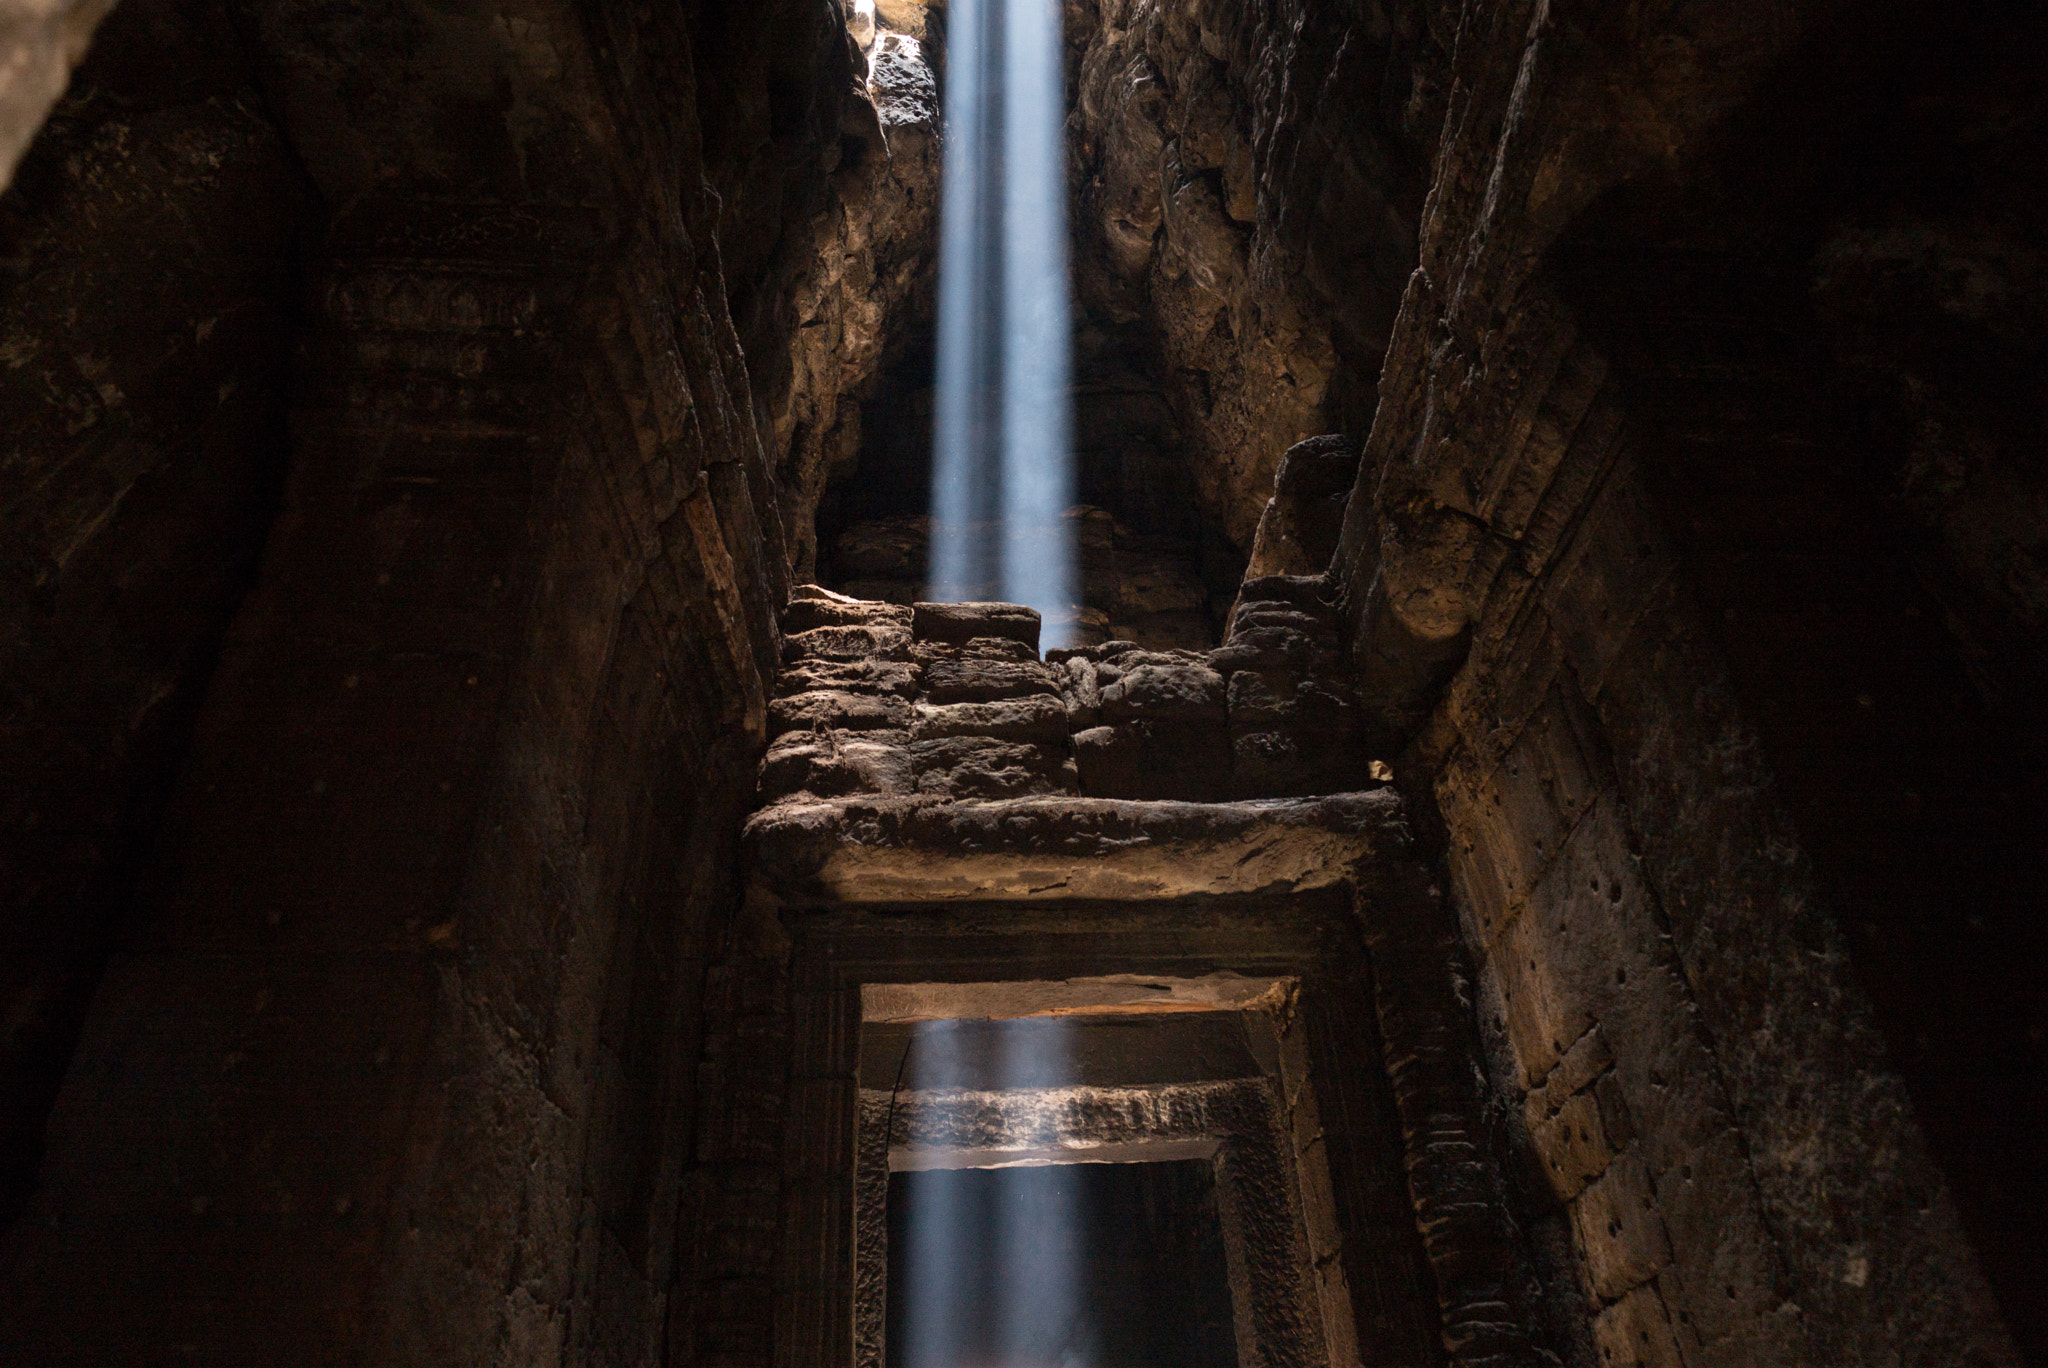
1621, 1233
883, 642
976, 648
1636, 1332
854, 676
836, 610
1040, 719
831, 763
1572, 1146
983, 767
958, 623
838, 711
987, 681
1167, 692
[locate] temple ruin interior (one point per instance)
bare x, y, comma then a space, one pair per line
1526, 845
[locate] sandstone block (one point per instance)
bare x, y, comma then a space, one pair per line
1056, 848
958, 623
1543, 1016
978, 648
829, 764
1082, 691
1173, 692
885, 641
852, 676
1311, 592
1267, 648
1722, 1280
1040, 719
1572, 1146
1297, 534
1588, 1058
1138, 759
827, 609
1636, 1332
1620, 1231
838, 710
1262, 614
1264, 700
1113, 649
983, 767
986, 681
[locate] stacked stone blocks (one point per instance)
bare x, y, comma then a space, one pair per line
952, 701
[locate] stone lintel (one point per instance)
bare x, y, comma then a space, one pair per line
1047, 848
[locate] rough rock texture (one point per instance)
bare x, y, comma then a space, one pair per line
879, 849
453, 831
866, 271
1740, 1178
146, 320
1247, 180
952, 700
1298, 532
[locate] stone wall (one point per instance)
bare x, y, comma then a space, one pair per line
1247, 179
149, 303
952, 701
395, 1058
1729, 1162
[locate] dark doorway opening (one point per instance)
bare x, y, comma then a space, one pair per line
1144, 1242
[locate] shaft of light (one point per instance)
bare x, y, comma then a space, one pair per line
937, 1244
1002, 432
1020, 1308
1038, 1238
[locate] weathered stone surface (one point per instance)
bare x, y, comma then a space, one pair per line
1297, 533
884, 642
469, 660
1062, 848
1082, 692
853, 676
1141, 759
801, 614
957, 767
1166, 692
1215, 221
959, 623
1037, 718
1620, 1232
1572, 1146
1269, 648
585, 308
837, 710
985, 681
828, 763
975, 648
859, 272
1637, 1332
149, 308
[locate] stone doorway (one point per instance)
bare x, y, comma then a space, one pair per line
1124, 1075
923, 856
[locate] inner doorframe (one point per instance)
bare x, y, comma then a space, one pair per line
1373, 1292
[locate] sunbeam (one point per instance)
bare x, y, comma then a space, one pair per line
1002, 432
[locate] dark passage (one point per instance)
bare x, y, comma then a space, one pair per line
1147, 1248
